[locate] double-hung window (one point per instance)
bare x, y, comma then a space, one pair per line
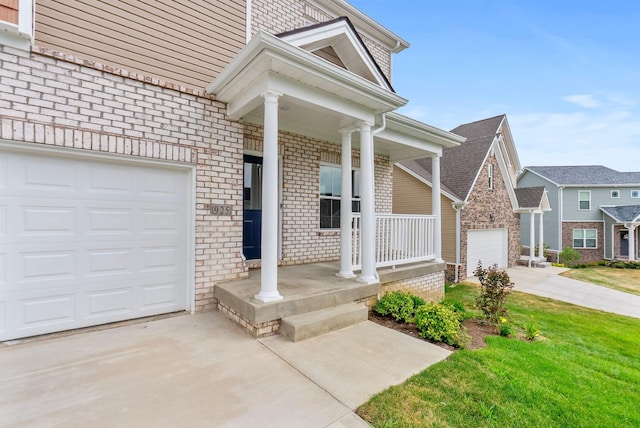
331, 192
584, 200
585, 238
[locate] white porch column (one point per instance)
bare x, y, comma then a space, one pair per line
435, 207
269, 263
541, 236
632, 242
346, 268
367, 207
532, 236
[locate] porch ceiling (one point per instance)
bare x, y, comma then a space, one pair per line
319, 98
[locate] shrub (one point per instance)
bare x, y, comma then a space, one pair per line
505, 329
531, 330
438, 322
495, 286
400, 305
458, 308
568, 255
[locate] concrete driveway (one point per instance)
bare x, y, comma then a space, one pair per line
548, 283
202, 371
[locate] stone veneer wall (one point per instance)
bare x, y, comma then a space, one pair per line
586, 255
484, 202
54, 99
278, 16
302, 239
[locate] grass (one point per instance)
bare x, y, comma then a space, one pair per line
619, 279
583, 372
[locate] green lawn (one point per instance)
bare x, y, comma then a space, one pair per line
583, 372
619, 279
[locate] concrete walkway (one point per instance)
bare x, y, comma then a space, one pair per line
202, 371
547, 282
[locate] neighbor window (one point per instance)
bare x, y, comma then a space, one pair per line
490, 176
330, 193
584, 200
585, 238
635, 194
615, 193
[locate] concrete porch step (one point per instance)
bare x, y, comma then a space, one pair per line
312, 324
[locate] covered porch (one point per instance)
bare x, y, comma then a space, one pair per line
282, 87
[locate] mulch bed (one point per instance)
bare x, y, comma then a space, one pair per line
477, 329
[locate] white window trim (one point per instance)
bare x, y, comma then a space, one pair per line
320, 197
19, 36
584, 209
584, 240
637, 192
617, 196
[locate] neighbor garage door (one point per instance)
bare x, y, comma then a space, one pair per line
86, 241
488, 246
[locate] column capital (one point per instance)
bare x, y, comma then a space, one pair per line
270, 95
349, 129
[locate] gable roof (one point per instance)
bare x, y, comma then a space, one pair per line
585, 175
338, 42
460, 165
533, 198
623, 214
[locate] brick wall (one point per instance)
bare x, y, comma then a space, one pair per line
484, 202
59, 100
278, 16
586, 255
302, 239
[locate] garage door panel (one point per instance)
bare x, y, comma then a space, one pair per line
111, 179
46, 220
46, 310
89, 241
50, 174
110, 302
109, 220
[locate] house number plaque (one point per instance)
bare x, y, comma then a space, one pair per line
220, 210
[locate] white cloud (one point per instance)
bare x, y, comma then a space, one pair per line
587, 101
593, 138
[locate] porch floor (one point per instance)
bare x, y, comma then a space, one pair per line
305, 288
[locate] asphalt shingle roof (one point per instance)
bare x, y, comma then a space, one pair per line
529, 197
623, 214
586, 175
459, 165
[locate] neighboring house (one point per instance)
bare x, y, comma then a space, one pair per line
480, 205
595, 210
147, 149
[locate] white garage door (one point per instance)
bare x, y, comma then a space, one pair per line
488, 246
86, 241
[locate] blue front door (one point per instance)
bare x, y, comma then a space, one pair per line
252, 220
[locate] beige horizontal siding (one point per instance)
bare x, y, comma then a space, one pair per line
412, 196
184, 42
9, 11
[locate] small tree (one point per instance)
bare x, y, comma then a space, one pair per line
495, 286
568, 256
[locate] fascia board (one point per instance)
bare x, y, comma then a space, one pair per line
264, 44
453, 198
504, 170
475, 179
422, 130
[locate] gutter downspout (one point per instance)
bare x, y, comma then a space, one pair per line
457, 206
375, 132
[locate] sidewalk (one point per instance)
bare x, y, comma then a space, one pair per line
547, 282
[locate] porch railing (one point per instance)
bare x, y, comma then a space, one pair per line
400, 239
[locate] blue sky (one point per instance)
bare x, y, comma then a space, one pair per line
565, 72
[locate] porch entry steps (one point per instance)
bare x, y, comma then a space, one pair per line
316, 323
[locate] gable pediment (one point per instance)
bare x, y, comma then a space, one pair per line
338, 42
